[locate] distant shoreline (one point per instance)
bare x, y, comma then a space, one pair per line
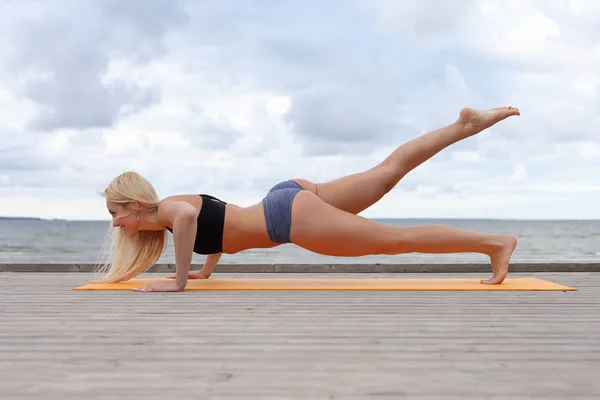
51, 219
20, 218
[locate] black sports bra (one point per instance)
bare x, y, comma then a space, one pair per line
211, 219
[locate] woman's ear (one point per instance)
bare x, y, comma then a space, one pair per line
133, 206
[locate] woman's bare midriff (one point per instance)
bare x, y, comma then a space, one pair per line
245, 227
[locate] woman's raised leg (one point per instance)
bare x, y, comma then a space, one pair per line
357, 192
324, 229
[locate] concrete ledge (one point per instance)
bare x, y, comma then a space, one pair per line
320, 268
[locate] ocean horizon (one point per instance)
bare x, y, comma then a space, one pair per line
36, 240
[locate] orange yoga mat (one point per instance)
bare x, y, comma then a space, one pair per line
469, 284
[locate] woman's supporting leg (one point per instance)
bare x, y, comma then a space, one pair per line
357, 192
324, 229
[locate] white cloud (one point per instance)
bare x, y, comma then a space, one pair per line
519, 174
221, 98
59, 55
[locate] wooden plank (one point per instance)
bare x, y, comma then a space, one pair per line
59, 343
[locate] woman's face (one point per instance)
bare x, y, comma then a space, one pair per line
123, 217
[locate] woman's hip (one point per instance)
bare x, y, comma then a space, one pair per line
277, 205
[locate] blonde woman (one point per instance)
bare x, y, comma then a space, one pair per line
319, 217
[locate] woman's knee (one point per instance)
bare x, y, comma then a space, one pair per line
388, 176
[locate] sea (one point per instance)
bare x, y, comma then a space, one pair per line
24, 240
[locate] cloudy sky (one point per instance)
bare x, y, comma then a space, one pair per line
229, 97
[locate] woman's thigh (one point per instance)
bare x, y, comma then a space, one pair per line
322, 228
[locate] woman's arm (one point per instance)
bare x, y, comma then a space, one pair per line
183, 217
209, 264
184, 235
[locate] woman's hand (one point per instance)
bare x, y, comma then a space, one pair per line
201, 274
160, 286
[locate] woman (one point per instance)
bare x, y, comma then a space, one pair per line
320, 217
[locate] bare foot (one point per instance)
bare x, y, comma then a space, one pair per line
500, 259
476, 121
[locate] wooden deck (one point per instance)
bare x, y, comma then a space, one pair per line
56, 343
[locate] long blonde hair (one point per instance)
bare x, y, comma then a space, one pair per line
127, 256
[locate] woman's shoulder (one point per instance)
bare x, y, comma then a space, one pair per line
175, 206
